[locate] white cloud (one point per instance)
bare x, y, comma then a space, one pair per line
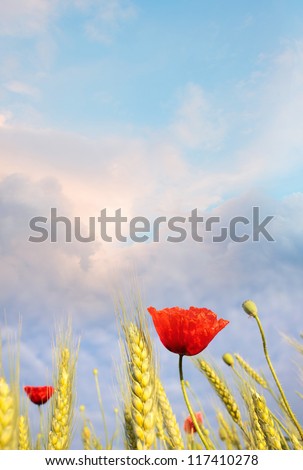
22, 88
25, 17
197, 124
148, 177
273, 116
4, 118
107, 17
104, 18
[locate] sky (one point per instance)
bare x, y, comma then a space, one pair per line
156, 109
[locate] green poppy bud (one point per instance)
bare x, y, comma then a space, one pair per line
250, 308
228, 359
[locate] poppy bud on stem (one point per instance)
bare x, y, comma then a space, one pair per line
228, 359
251, 309
191, 412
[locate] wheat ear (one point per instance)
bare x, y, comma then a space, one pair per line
295, 442
142, 385
60, 432
24, 439
8, 435
169, 419
130, 437
221, 389
160, 429
250, 371
259, 435
39, 441
86, 437
266, 422
227, 433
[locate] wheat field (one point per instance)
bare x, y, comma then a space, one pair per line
145, 419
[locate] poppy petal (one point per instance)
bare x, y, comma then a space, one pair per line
186, 332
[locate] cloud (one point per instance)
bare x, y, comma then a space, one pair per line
106, 17
197, 124
21, 88
4, 118
272, 113
113, 183
87, 270
151, 176
25, 17
51, 281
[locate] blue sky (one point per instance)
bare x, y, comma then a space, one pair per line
156, 108
132, 71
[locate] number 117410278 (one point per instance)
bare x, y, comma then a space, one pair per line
222, 459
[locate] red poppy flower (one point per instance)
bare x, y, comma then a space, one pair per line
189, 426
39, 395
186, 332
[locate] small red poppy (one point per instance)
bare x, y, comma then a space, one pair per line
39, 395
189, 426
186, 332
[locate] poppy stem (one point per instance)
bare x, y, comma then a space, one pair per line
273, 372
41, 424
191, 412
